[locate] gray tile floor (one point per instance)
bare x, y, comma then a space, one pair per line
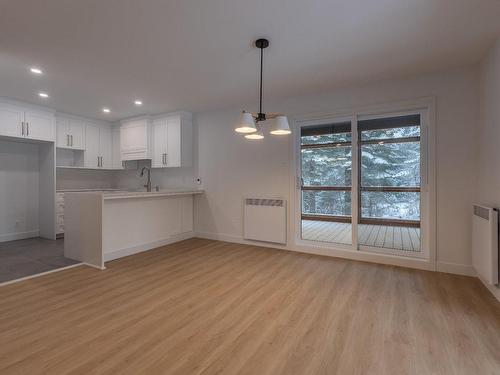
31, 256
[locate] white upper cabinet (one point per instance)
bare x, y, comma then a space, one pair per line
25, 122
11, 120
70, 133
135, 139
106, 147
40, 125
173, 141
98, 152
92, 156
159, 143
115, 146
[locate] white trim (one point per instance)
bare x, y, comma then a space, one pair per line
145, 247
41, 274
455, 268
94, 266
19, 235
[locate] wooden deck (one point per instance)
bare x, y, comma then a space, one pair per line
401, 238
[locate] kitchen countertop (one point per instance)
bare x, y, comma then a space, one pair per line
109, 194
85, 190
144, 194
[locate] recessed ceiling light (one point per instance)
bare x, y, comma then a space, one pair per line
106, 110
138, 102
42, 94
35, 70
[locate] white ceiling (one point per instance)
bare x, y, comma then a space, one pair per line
198, 55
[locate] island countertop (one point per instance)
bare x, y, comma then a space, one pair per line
107, 195
106, 225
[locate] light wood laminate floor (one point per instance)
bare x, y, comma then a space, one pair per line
207, 307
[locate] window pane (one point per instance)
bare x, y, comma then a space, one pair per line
330, 166
390, 164
384, 205
337, 203
407, 131
327, 138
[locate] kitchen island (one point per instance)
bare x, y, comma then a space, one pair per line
102, 226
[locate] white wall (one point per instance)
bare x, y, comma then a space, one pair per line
232, 167
19, 180
489, 132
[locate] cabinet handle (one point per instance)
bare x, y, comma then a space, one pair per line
71, 140
22, 128
28, 129
67, 139
98, 161
165, 159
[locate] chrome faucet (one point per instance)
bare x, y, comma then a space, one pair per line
148, 185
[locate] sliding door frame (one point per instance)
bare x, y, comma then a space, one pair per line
426, 108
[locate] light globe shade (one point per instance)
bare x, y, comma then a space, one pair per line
257, 135
280, 126
246, 124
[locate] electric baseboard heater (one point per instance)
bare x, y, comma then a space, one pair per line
265, 220
485, 243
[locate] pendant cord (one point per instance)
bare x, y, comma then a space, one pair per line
261, 66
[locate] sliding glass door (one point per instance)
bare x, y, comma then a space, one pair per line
385, 199
389, 182
326, 164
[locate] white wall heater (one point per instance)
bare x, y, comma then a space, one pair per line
485, 243
264, 220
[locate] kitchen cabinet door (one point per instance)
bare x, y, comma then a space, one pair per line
92, 146
62, 139
159, 143
76, 131
115, 140
174, 141
11, 120
40, 125
105, 147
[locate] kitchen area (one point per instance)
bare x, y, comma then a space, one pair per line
78, 191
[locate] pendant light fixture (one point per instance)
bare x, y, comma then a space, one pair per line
251, 124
